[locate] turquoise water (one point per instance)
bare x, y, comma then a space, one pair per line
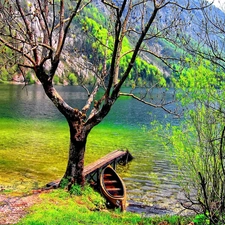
34, 141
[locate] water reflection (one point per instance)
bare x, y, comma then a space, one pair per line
151, 184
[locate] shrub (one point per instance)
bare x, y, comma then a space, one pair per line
29, 78
56, 80
72, 79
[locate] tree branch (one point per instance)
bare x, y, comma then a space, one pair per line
17, 50
136, 50
29, 30
90, 99
162, 106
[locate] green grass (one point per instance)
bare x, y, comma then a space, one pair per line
59, 207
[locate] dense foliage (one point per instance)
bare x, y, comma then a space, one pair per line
198, 143
99, 44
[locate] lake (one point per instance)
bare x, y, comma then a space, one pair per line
34, 142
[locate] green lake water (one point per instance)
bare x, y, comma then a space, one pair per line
34, 142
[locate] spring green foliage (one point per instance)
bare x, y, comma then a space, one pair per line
56, 80
201, 88
7, 69
72, 79
4, 74
102, 43
59, 207
197, 143
29, 78
200, 81
200, 219
76, 190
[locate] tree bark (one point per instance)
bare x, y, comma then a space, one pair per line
78, 131
75, 165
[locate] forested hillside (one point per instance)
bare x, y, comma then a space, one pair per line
90, 34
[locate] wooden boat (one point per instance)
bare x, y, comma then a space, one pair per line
113, 188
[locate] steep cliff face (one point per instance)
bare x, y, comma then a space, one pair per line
71, 63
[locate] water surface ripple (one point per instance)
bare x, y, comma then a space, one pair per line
149, 178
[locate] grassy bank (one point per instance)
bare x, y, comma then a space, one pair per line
87, 207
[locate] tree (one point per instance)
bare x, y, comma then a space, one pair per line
209, 43
201, 146
198, 144
37, 31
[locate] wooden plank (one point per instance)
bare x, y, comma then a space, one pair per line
104, 161
97, 165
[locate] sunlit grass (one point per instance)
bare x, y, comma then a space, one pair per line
58, 207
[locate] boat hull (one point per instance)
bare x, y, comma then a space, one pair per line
113, 187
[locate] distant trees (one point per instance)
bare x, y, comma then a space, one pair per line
39, 31
72, 79
8, 67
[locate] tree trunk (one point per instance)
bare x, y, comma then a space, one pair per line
78, 133
75, 166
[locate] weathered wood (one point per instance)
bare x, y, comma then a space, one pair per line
94, 169
114, 193
104, 161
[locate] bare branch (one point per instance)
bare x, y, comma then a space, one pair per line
110, 4
90, 99
17, 50
61, 37
187, 7
29, 30
135, 53
162, 106
25, 66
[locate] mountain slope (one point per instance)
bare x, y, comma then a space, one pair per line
84, 50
